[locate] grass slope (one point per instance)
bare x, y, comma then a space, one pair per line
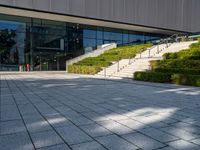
93, 65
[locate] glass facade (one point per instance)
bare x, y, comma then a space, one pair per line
46, 45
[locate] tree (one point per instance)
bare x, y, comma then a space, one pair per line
6, 40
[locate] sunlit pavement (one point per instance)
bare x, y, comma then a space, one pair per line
56, 111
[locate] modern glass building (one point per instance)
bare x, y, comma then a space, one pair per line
46, 34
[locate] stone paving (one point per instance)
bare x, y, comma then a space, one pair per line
56, 111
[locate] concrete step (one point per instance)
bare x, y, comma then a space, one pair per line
141, 61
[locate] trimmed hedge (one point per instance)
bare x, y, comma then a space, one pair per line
170, 56
195, 45
126, 51
93, 62
175, 63
193, 53
181, 68
83, 69
183, 79
153, 77
93, 65
178, 70
154, 64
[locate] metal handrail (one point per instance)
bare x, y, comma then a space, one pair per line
134, 59
94, 53
162, 41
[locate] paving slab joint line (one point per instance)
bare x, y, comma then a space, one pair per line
44, 119
22, 119
63, 116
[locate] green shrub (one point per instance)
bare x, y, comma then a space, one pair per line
181, 68
193, 51
178, 70
170, 56
83, 69
154, 64
195, 45
153, 77
108, 57
92, 65
175, 63
126, 51
183, 79
93, 62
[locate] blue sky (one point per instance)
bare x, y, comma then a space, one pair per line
9, 25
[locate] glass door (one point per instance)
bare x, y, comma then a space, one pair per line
46, 62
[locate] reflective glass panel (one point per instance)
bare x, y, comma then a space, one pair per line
47, 44
125, 37
12, 44
107, 35
99, 34
89, 44
89, 33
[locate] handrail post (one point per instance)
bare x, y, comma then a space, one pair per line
167, 44
149, 52
118, 66
66, 66
129, 62
158, 48
104, 72
140, 54
150, 68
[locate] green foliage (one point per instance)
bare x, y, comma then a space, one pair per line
108, 57
195, 45
178, 70
6, 40
181, 68
154, 64
153, 77
175, 63
126, 51
80, 69
192, 53
170, 56
94, 64
183, 79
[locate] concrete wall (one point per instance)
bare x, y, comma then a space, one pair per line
182, 15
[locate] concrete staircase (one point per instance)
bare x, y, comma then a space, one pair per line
125, 68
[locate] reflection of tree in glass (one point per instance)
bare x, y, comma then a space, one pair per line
7, 40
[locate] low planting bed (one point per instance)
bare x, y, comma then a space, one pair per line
175, 63
180, 68
183, 79
83, 69
153, 77
191, 54
93, 65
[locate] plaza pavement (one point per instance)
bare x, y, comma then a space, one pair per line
58, 111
